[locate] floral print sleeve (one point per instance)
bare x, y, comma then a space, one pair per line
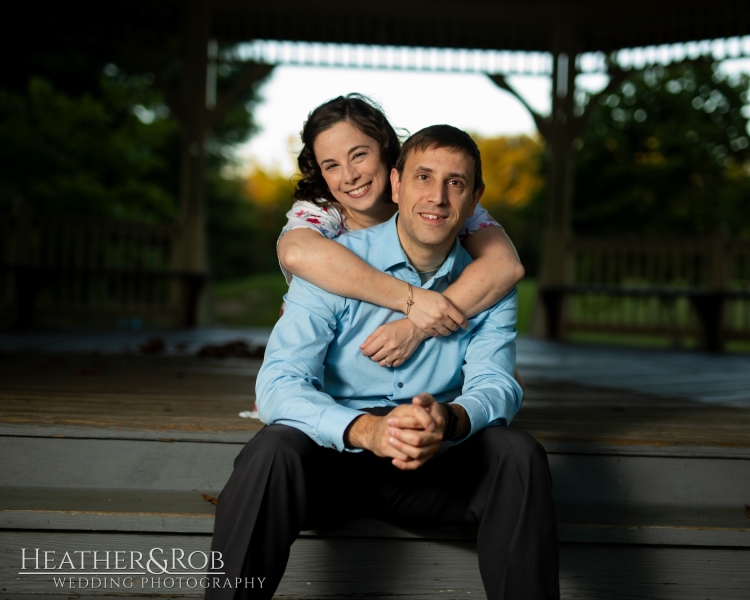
324, 219
479, 220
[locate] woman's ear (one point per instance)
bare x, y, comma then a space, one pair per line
395, 185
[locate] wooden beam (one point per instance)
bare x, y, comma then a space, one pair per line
252, 72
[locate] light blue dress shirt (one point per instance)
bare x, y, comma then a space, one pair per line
315, 378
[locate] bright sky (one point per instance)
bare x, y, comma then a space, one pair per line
411, 100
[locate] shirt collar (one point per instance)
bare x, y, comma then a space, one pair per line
392, 254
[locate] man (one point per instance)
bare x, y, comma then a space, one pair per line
425, 444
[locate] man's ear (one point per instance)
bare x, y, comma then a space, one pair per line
395, 185
477, 196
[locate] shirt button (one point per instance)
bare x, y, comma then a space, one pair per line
400, 384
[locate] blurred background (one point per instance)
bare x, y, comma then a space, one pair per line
148, 161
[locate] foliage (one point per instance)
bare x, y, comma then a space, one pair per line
667, 153
243, 229
511, 170
87, 155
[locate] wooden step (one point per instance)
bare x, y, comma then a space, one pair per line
191, 513
115, 453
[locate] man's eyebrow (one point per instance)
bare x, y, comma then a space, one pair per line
422, 168
352, 149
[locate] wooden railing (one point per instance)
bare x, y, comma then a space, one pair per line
694, 287
86, 271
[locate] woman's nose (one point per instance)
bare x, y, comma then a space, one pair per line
351, 174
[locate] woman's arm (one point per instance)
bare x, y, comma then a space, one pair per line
494, 272
323, 262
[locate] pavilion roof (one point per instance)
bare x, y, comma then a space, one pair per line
530, 25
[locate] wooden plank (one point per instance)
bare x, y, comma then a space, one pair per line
189, 512
116, 464
396, 568
597, 572
153, 465
188, 395
640, 480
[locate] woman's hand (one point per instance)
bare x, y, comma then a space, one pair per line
434, 314
392, 344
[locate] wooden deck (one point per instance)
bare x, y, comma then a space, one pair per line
650, 453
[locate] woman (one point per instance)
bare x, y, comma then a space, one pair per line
348, 150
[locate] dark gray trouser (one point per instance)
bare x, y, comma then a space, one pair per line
284, 483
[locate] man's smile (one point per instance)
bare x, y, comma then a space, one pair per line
435, 218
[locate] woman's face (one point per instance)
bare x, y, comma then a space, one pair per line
351, 166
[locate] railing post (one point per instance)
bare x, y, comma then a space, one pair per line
710, 306
24, 279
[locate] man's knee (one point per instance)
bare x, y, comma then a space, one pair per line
275, 443
525, 448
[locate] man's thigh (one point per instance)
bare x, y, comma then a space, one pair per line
450, 489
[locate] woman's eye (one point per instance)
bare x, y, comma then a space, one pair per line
330, 166
359, 155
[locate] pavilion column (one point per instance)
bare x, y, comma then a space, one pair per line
563, 127
192, 261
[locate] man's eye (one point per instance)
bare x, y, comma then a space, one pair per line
422, 177
456, 183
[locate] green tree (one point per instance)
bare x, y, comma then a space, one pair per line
667, 153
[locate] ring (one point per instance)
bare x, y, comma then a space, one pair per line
388, 364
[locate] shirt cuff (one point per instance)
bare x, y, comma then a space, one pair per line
332, 426
476, 413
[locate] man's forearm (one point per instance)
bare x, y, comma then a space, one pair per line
360, 431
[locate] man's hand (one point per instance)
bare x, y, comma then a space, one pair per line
410, 435
392, 344
438, 412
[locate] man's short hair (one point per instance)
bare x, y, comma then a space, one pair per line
442, 136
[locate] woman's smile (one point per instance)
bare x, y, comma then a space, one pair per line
352, 168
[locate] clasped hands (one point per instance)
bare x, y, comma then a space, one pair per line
432, 314
409, 435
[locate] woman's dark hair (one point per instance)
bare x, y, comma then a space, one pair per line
366, 116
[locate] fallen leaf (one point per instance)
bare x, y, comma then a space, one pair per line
153, 346
237, 348
210, 499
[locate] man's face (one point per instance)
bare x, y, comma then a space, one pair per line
434, 195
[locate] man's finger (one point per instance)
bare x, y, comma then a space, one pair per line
417, 438
415, 452
424, 399
404, 423
408, 465
424, 418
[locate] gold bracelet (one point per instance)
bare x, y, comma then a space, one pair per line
409, 302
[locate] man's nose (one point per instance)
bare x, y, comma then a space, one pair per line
439, 194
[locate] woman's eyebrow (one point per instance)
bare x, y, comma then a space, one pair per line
352, 149
357, 147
